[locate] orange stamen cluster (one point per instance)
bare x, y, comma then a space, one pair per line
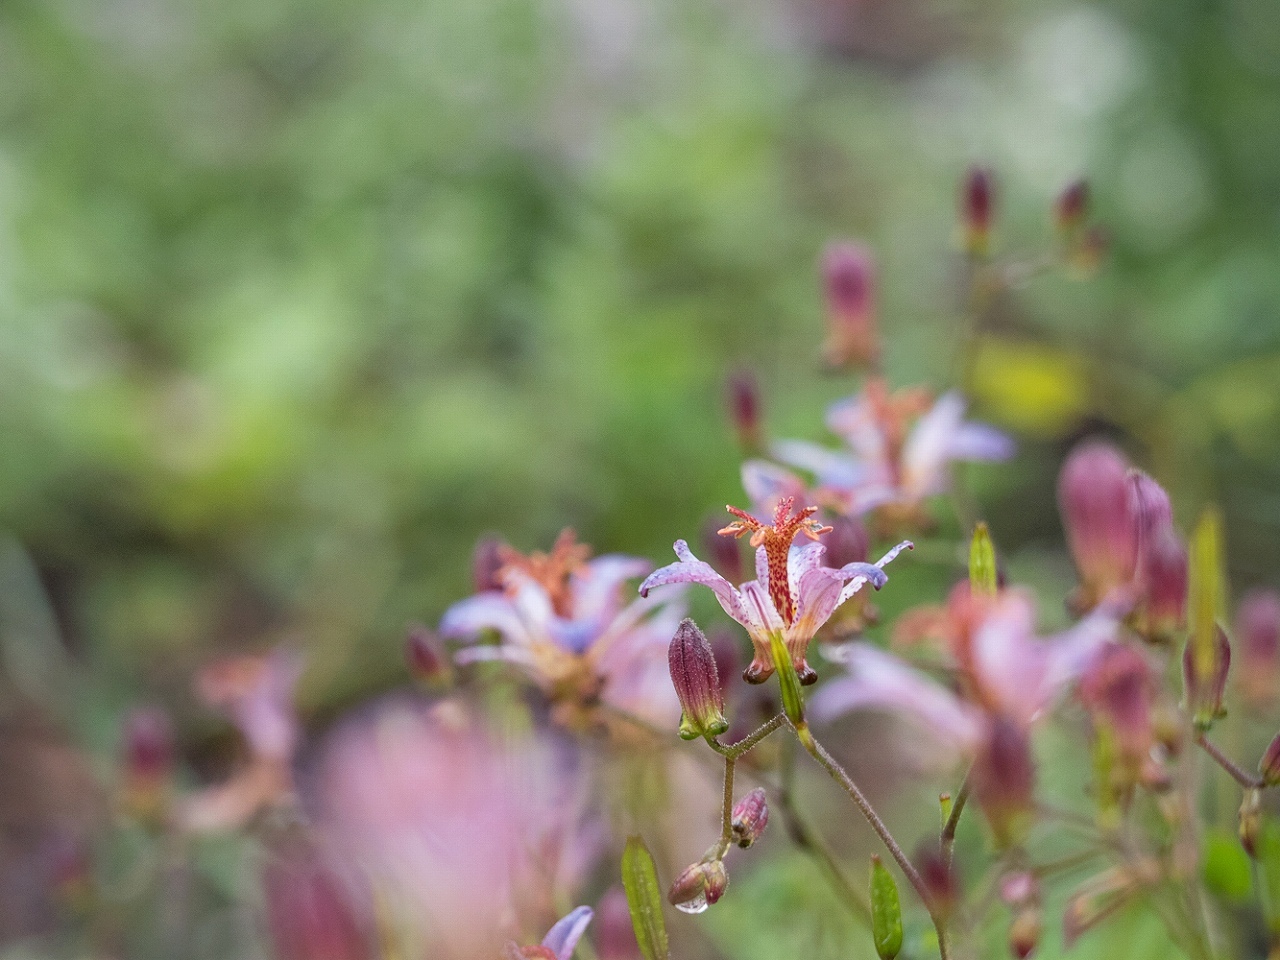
894, 412
776, 539
550, 570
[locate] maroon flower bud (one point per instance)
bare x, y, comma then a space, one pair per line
1071, 206
723, 553
699, 886
148, 745
1097, 512
487, 562
1003, 779
1204, 684
1269, 765
1162, 574
1149, 506
697, 683
1024, 932
1258, 638
428, 660
1250, 821
847, 542
615, 937
744, 408
940, 878
849, 276
310, 914
977, 205
1118, 689
750, 817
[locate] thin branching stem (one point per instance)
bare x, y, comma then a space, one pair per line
947, 839
832, 766
749, 742
1240, 775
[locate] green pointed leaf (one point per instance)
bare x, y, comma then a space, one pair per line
644, 898
886, 911
983, 578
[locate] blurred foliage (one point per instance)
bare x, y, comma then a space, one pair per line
298, 299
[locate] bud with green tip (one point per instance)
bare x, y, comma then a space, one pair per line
750, 817
983, 577
886, 911
1269, 765
697, 683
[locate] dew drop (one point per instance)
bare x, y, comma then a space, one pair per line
697, 905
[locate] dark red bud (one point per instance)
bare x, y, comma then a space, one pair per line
486, 562
697, 683
1269, 765
148, 745
750, 817
1025, 931
1162, 569
940, 878
1071, 206
1250, 820
699, 886
744, 408
427, 657
849, 277
977, 206
1003, 779
846, 542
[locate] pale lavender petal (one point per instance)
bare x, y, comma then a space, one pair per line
489, 653
761, 616
821, 590
832, 468
927, 451
690, 569
800, 561
877, 680
563, 938
1009, 661
979, 441
861, 577
468, 618
597, 594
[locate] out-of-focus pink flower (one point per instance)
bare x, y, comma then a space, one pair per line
313, 912
614, 936
900, 453
256, 693
560, 618
561, 940
849, 275
792, 595
1097, 512
743, 394
475, 838
1004, 778
1258, 643
1119, 689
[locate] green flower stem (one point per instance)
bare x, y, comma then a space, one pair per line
947, 839
749, 742
837, 772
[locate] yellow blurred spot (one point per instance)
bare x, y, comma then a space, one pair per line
1031, 387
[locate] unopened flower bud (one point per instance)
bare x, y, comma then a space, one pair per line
1097, 512
983, 578
1149, 506
940, 878
977, 205
1269, 765
428, 660
1204, 678
744, 408
148, 760
1025, 931
886, 911
850, 279
750, 817
486, 563
1003, 780
1118, 688
1070, 208
699, 886
1162, 570
1250, 821
1258, 644
697, 683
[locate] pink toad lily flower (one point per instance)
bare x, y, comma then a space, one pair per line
901, 449
560, 618
793, 594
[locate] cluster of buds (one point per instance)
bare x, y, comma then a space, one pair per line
699, 885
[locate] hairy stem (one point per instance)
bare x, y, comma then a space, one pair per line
947, 839
726, 809
1240, 775
733, 751
829, 763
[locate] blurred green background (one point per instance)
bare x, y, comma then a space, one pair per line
299, 299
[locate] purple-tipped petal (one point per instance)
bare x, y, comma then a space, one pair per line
978, 441
689, 569
562, 939
467, 619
